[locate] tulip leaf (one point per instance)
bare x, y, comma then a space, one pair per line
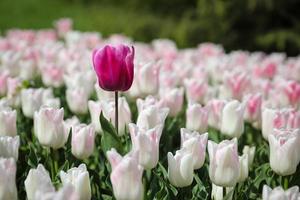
109, 138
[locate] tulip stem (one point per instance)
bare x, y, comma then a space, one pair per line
116, 112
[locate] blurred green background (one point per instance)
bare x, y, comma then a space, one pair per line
268, 25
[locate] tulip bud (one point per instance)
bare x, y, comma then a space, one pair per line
215, 113
31, 100
108, 108
49, 127
292, 92
114, 67
196, 118
173, 99
8, 122
142, 104
70, 123
79, 178
253, 108
38, 180
8, 189
95, 111
3, 83
195, 90
83, 139
103, 94
9, 147
284, 151
180, 168
195, 144
223, 162
77, 100
52, 75
250, 151
147, 78
151, 117
278, 193
268, 116
146, 143
244, 167
126, 176
236, 84
232, 119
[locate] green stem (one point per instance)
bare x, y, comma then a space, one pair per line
116, 112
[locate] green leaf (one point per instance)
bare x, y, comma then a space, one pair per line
109, 138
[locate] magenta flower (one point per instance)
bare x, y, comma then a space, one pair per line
114, 67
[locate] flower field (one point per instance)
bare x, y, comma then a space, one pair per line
197, 123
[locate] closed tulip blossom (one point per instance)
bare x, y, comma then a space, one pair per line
38, 180
114, 67
250, 152
79, 178
244, 167
8, 122
196, 118
8, 169
95, 111
223, 163
173, 99
9, 147
253, 108
49, 127
83, 141
195, 90
146, 80
151, 117
181, 168
215, 107
194, 143
77, 100
126, 176
145, 103
284, 151
146, 143
279, 194
232, 119
31, 100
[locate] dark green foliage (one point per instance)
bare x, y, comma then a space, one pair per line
267, 25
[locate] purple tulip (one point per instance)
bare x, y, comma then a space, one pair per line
114, 67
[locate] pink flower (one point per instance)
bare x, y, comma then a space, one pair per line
292, 91
195, 90
236, 83
126, 175
196, 118
83, 137
194, 143
146, 143
215, 112
114, 67
253, 108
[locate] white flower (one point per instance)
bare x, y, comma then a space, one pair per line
79, 178
9, 147
38, 180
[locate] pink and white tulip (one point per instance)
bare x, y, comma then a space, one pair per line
83, 141
223, 163
194, 143
146, 143
126, 175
